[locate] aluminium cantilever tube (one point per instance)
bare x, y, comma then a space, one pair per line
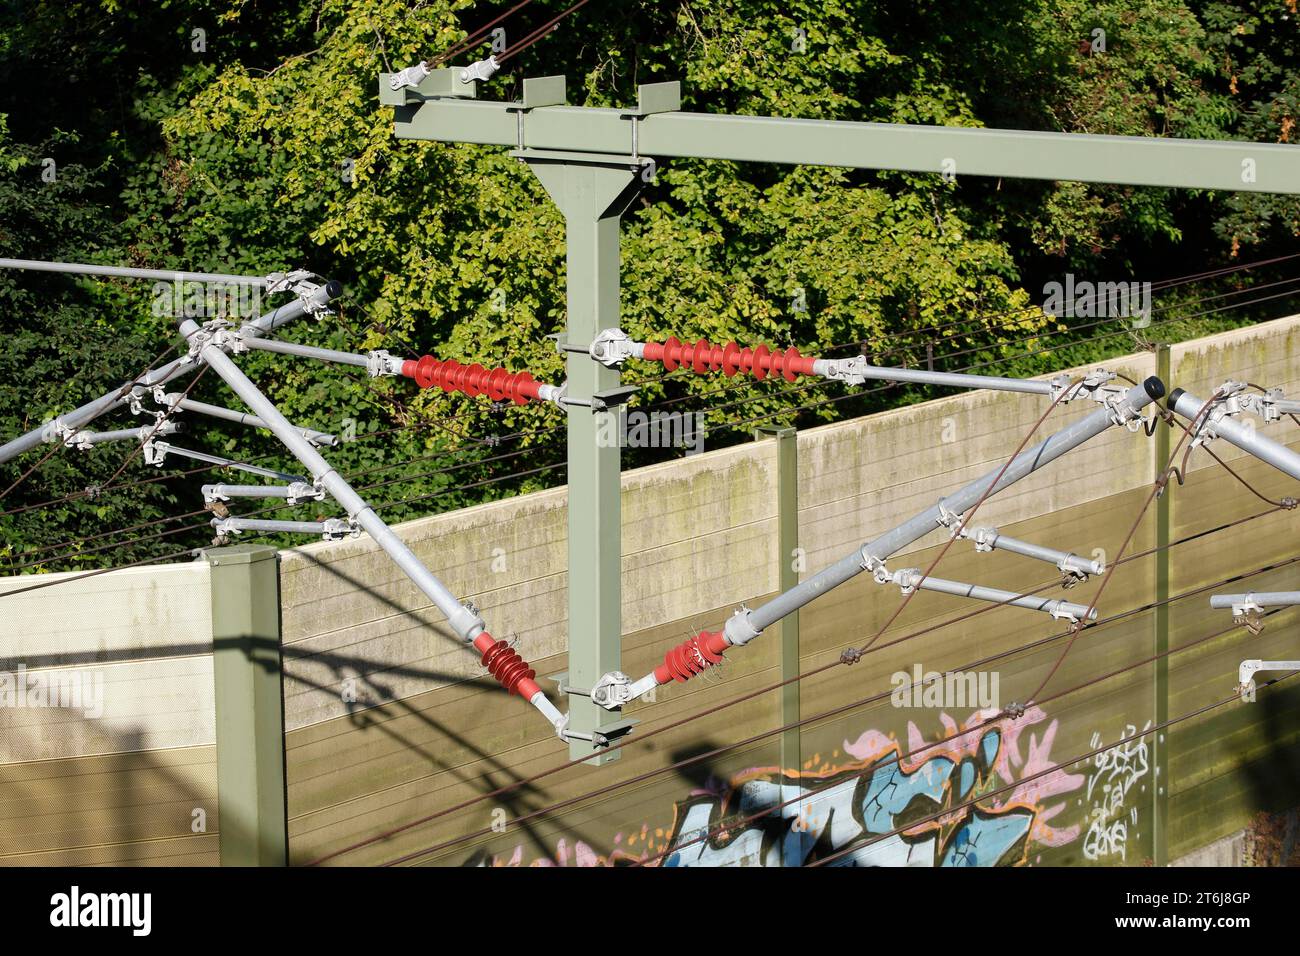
700, 652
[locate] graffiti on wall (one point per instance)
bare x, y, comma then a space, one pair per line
964, 799
1114, 774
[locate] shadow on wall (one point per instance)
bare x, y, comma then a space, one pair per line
125, 806
1274, 776
374, 707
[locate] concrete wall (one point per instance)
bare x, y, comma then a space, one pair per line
389, 720
110, 767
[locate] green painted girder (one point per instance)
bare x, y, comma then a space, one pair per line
963, 151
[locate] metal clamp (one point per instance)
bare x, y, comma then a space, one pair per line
411, 76
873, 565
380, 362
155, 452
482, 70
982, 537
204, 336
1227, 402
612, 347
338, 528
848, 370
57, 430
303, 284
948, 519
611, 692
1271, 405
599, 402
1061, 383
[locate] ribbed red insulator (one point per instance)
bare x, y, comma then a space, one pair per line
472, 380
505, 664
691, 656
730, 358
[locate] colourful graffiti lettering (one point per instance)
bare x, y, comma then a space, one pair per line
884, 808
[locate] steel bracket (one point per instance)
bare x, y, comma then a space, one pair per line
303, 284
1248, 669
599, 401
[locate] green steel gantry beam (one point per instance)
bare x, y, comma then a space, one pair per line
582, 154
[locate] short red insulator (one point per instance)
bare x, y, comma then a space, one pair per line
730, 359
505, 664
472, 380
691, 656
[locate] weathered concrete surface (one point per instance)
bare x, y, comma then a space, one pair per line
1225, 851
114, 772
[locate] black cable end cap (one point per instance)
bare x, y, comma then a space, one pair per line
334, 288
1155, 388
1174, 396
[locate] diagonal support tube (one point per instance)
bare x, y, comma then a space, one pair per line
139, 433
745, 626
504, 663
704, 650
160, 449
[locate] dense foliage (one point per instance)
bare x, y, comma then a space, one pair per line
244, 136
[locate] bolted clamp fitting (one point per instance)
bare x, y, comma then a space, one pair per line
411, 76
302, 284
873, 565
482, 70
467, 623
948, 519
380, 362
738, 630
612, 691
335, 529
984, 538
612, 347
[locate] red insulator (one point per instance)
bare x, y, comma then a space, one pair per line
730, 358
692, 656
503, 663
472, 380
